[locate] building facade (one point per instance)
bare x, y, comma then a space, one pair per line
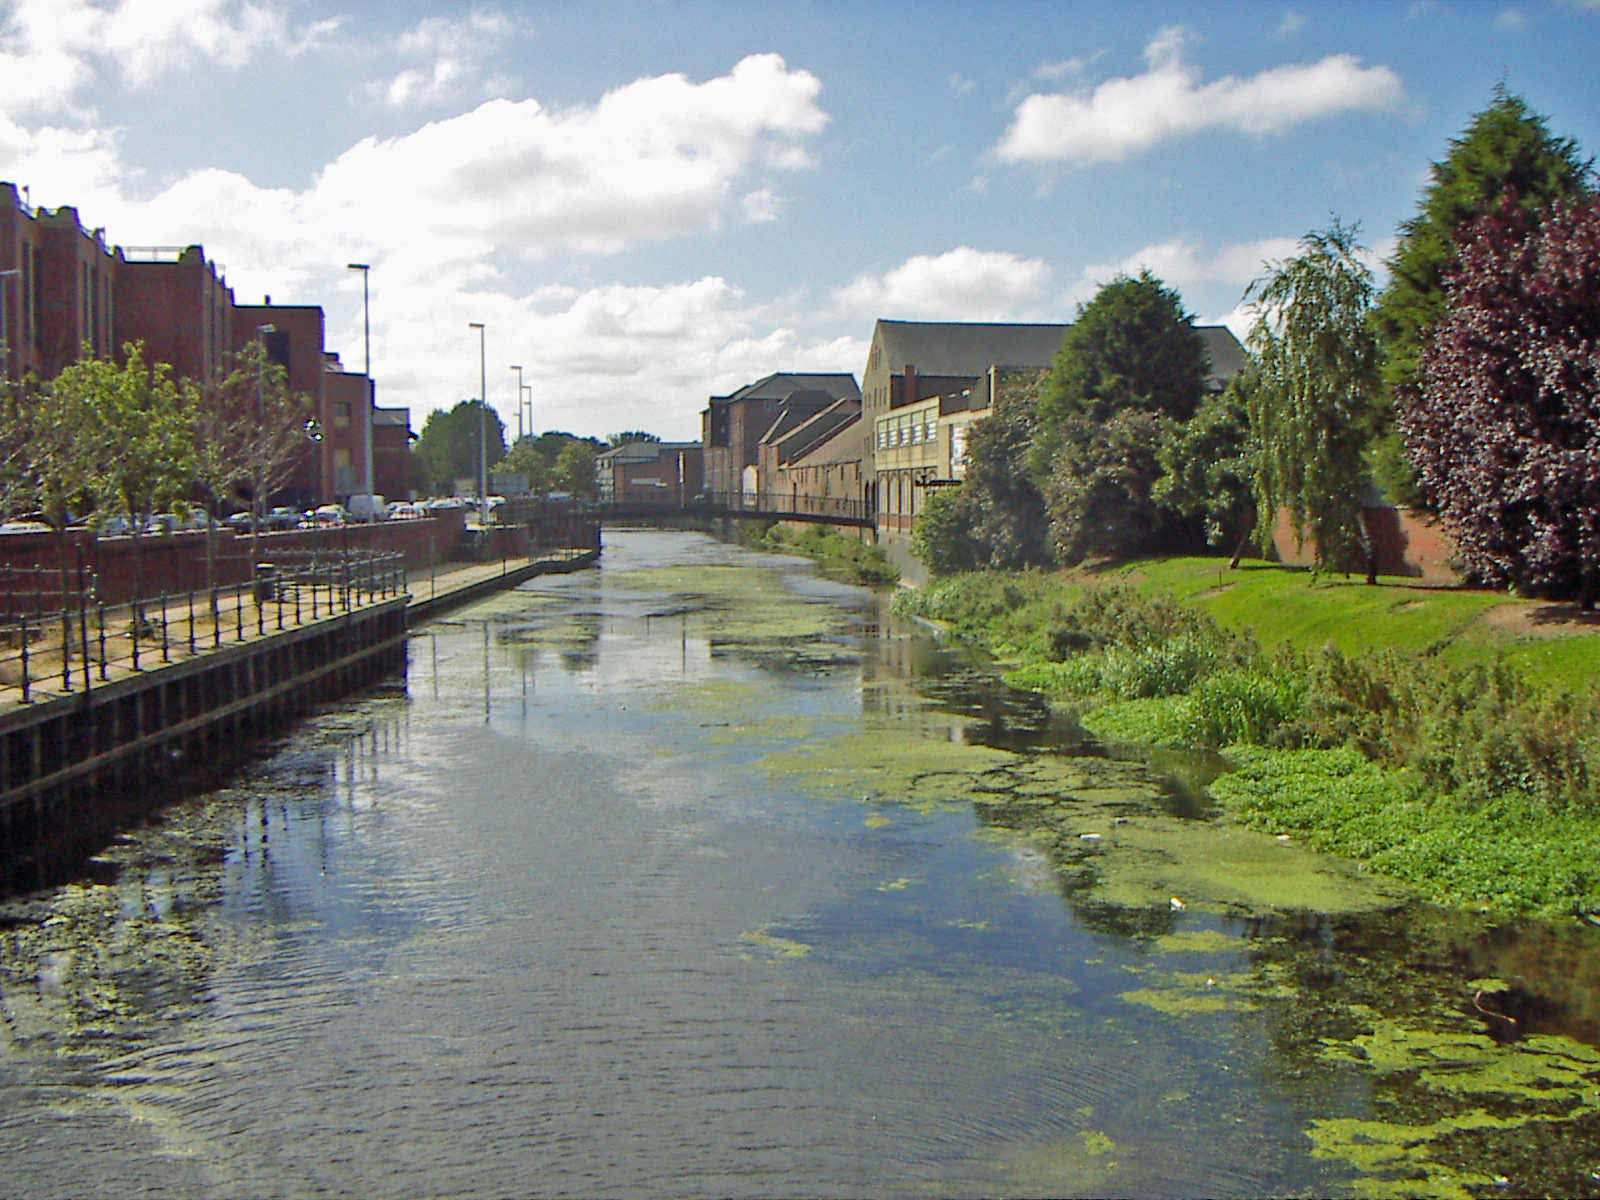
665, 474
733, 427
926, 383
64, 292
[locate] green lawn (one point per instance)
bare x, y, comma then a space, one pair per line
1284, 604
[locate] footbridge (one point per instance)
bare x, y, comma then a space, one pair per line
772, 506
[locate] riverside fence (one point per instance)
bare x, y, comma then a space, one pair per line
58, 635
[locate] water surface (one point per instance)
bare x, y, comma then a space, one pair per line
695, 875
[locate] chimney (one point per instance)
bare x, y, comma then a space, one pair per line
909, 395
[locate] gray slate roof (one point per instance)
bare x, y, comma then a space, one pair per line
633, 452
972, 347
781, 385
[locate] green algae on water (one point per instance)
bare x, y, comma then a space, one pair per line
779, 948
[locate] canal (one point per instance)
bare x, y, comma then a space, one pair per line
697, 874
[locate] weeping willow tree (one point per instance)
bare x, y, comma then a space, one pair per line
1312, 405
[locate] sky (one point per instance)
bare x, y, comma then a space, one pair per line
647, 204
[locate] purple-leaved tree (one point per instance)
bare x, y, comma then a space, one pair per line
1505, 427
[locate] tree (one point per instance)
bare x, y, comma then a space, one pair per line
1504, 427
1507, 149
1101, 480
942, 539
1131, 346
250, 433
526, 458
448, 445
1131, 365
142, 424
574, 469
1312, 405
1208, 469
633, 435
997, 517
51, 445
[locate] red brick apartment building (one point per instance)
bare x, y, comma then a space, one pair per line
63, 288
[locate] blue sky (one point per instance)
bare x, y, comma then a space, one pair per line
651, 203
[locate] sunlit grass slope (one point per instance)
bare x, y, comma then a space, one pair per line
1285, 604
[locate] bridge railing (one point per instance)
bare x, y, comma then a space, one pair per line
771, 502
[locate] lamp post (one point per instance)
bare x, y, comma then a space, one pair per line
483, 425
5, 325
366, 368
518, 370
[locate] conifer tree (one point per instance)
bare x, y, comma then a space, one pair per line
1505, 149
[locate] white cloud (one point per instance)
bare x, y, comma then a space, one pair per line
1511, 20
449, 54
1291, 24
447, 213
613, 356
1132, 114
960, 84
49, 49
961, 284
761, 206
1182, 262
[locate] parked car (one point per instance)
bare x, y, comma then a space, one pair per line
365, 507
329, 515
239, 522
24, 527
283, 517
406, 512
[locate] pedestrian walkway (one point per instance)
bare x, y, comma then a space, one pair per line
107, 643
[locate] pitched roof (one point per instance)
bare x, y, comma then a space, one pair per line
781, 385
805, 437
966, 347
635, 452
1227, 355
972, 347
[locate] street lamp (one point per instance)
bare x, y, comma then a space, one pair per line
366, 366
518, 370
5, 327
483, 442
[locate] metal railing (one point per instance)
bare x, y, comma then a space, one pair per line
80, 642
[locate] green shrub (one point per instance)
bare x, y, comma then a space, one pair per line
1059, 680
1154, 721
837, 554
1243, 707
1158, 668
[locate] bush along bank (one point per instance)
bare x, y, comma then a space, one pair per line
844, 557
1467, 781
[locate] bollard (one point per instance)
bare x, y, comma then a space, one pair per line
100, 620
166, 645
133, 613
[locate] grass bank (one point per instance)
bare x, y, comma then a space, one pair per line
840, 556
1413, 730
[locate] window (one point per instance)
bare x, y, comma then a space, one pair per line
341, 414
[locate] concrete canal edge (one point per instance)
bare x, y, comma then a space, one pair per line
75, 767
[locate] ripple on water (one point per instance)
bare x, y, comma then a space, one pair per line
653, 885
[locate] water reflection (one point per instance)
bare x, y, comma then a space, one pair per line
696, 874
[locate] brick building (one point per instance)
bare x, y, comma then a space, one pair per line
664, 473
734, 426
62, 288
